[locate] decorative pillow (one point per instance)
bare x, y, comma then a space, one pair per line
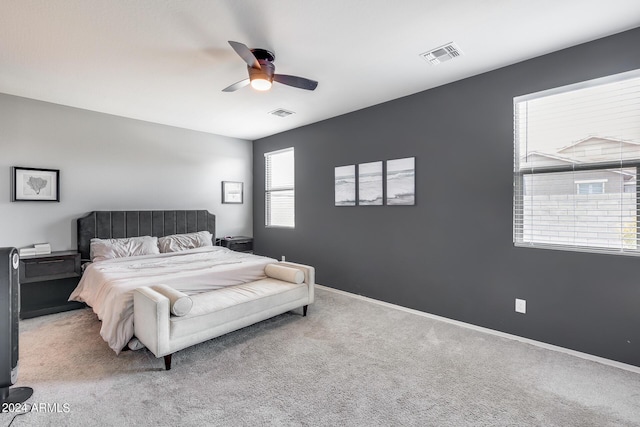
287, 274
102, 249
181, 242
180, 304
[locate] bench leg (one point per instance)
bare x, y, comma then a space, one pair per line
304, 310
167, 362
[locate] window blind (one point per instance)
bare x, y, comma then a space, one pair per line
280, 188
576, 159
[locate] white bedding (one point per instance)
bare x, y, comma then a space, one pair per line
107, 286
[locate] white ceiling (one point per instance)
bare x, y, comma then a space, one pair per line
167, 61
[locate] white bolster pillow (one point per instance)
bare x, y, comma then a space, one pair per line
180, 303
288, 274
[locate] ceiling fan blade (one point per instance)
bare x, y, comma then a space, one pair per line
236, 86
245, 53
295, 81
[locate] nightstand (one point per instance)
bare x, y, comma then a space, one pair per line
238, 244
46, 281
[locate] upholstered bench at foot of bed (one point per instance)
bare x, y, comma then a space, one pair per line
215, 313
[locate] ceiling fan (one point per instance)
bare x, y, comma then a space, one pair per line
262, 71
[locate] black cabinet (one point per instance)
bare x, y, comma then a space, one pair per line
239, 243
46, 281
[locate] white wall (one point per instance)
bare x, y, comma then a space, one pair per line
113, 163
603, 220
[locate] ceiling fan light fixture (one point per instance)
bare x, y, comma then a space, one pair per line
262, 71
262, 78
261, 83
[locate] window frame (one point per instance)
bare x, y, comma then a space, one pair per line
274, 190
602, 183
520, 173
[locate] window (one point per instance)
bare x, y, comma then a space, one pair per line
279, 188
577, 154
590, 187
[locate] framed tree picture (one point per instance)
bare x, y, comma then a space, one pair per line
35, 185
232, 192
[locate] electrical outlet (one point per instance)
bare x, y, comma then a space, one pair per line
521, 305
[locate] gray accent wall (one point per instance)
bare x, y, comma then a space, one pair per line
452, 254
108, 162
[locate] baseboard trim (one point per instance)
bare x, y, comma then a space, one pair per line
541, 344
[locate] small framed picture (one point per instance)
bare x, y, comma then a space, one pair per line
401, 182
35, 185
370, 184
345, 185
232, 192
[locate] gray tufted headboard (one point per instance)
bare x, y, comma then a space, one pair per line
118, 224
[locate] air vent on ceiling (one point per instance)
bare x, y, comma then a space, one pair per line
442, 53
281, 112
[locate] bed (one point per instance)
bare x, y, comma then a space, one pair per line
108, 285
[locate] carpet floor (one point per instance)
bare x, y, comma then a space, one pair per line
349, 362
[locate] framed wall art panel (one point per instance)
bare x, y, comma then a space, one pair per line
232, 192
401, 181
345, 185
35, 185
